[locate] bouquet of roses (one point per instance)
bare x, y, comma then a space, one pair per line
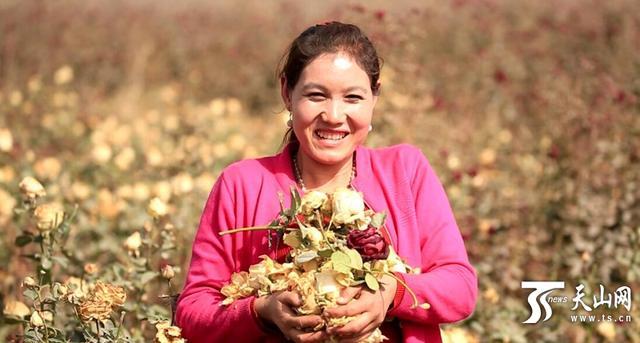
335, 243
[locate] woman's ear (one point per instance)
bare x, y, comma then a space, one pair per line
376, 92
284, 93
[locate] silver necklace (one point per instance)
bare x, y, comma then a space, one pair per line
296, 168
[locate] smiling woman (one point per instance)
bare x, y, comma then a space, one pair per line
330, 84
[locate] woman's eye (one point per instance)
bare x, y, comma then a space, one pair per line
354, 98
316, 96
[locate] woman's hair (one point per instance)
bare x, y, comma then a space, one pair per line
331, 37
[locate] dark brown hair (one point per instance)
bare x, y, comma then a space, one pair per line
331, 37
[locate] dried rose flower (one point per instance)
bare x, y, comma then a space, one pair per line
32, 188
347, 205
36, 319
167, 333
157, 208
312, 201
90, 268
369, 243
167, 272
48, 216
133, 243
103, 299
29, 282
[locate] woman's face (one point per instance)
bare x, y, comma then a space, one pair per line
332, 105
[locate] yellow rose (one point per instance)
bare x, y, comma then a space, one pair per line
36, 319
31, 188
166, 333
6, 140
167, 272
607, 330
312, 234
312, 201
16, 309
29, 282
157, 208
348, 206
48, 216
133, 243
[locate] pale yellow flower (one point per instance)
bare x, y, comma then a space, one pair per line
167, 272
133, 243
312, 201
28, 282
63, 75
6, 140
157, 208
7, 204
487, 156
16, 309
313, 235
48, 216
48, 168
166, 333
348, 206
125, 158
31, 188
607, 330
90, 268
182, 184
36, 319
101, 302
80, 190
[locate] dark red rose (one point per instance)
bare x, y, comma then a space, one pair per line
369, 243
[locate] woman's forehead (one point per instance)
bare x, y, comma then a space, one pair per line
335, 66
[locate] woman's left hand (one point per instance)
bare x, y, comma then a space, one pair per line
370, 308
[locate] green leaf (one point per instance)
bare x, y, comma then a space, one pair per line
339, 257
378, 219
147, 276
325, 253
306, 256
356, 259
342, 268
372, 282
23, 240
61, 260
30, 294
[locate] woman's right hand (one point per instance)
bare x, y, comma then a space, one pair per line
277, 308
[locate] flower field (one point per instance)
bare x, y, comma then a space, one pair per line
116, 118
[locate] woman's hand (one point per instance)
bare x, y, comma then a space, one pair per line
277, 308
369, 307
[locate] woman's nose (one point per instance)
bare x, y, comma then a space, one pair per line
334, 113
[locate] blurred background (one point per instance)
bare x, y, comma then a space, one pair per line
528, 110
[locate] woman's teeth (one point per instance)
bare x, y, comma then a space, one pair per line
330, 135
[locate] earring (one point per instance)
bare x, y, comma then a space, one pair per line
290, 121
370, 128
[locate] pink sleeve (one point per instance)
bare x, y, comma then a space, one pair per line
447, 282
199, 312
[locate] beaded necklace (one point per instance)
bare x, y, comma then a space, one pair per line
296, 169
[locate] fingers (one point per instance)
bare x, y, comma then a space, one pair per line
349, 293
291, 299
356, 327
364, 303
302, 323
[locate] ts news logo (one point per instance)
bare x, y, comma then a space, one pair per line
540, 293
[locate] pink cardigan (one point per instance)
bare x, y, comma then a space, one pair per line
396, 179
